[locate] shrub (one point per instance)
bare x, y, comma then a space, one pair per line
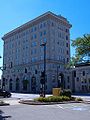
53, 99
66, 93
79, 99
73, 98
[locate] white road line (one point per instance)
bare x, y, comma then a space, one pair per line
60, 106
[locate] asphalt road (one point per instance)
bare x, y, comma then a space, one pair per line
16, 111
74, 111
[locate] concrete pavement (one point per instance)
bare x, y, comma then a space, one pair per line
49, 112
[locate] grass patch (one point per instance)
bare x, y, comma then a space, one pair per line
54, 99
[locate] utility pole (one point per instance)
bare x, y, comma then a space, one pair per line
44, 72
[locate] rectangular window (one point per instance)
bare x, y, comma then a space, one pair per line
66, 37
67, 52
34, 59
89, 80
68, 79
34, 36
66, 44
40, 34
31, 29
83, 73
44, 32
44, 24
33, 51
41, 57
74, 73
67, 59
77, 79
35, 28
66, 30
44, 40
34, 44
52, 24
40, 26
68, 87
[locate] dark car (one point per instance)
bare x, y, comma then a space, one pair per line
5, 93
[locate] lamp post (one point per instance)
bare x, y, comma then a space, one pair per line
44, 72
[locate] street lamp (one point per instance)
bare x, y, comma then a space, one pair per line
44, 72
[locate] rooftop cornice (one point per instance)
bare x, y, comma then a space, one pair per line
20, 28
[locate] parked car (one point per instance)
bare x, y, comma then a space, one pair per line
5, 93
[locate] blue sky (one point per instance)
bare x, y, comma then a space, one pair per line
14, 13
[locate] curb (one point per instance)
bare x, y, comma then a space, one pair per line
86, 102
5, 104
28, 102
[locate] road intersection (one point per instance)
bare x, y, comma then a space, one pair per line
16, 111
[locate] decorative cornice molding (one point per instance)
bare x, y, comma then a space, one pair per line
42, 17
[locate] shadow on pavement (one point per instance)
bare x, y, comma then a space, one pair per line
3, 117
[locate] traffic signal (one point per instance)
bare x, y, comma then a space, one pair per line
42, 80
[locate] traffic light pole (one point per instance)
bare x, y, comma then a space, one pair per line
44, 67
43, 85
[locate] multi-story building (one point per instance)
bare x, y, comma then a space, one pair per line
80, 77
0, 84
23, 57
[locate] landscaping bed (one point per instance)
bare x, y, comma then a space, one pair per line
51, 100
62, 98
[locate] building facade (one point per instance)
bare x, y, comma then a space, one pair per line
23, 57
80, 77
0, 84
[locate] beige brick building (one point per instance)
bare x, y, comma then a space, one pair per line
23, 56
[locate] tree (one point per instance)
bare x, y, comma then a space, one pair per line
82, 45
72, 62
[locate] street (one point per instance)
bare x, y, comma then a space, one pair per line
17, 111
48, 112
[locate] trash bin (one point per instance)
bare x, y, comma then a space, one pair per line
56, 91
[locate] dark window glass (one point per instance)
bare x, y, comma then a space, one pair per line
52, 24
68, 87
66, 44
67, 52
66, 30
25, 70
68, 79
67, 59
83, 73
77, 79
74, 73
66, 37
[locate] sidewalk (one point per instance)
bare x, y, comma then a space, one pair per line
12, 102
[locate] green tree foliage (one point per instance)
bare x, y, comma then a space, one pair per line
72, 62
82, 45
